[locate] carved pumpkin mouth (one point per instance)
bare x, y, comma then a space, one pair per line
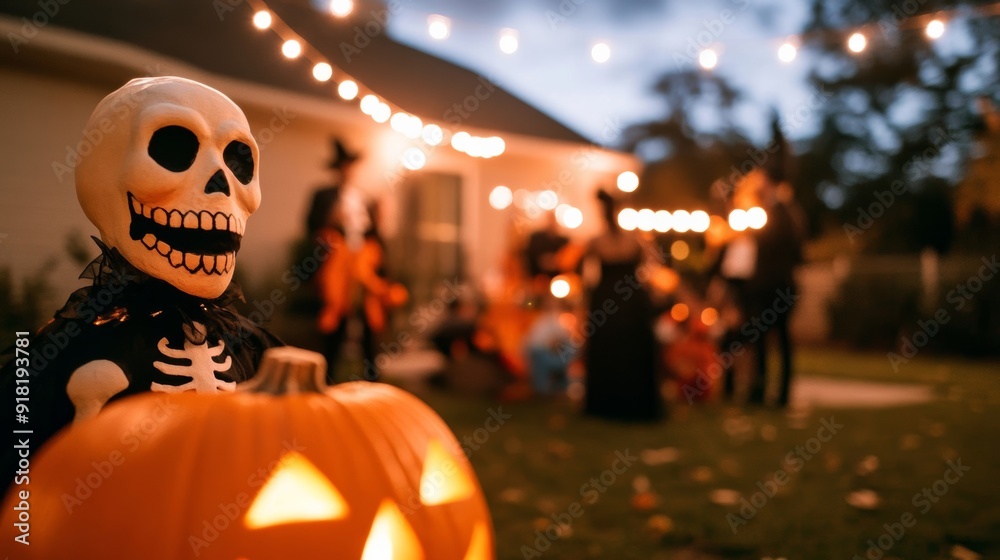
198, 241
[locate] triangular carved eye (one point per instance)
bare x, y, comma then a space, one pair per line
479, 546
444, 480
391, 537
296, 491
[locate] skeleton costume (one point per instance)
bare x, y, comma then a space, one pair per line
170, 184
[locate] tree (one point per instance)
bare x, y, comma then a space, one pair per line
903, 112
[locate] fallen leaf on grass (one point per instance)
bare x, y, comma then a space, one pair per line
662, 456
724, 497
864, 499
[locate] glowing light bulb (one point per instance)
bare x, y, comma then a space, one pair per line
291, 48
559, 287
508, 41
628, 219
439, 27
369, 103
647, 219
341, 8
663, 221
682, 221
700, 221
347, 90
787, 52
679, 312
708, 59
501, 197
857, 42
935, 29
572, 218
432, 134
322, 71
756, 217
461, 140
628, 181
547, 200
738, 219
381, 113
262, 19
601, 53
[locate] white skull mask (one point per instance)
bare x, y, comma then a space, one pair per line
171, 179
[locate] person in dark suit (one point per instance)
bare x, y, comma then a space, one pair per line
772, 289
322, 209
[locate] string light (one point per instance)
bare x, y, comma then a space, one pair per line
679, 312
628, 219
381, 113
559, 287
432, 134
756, 217
682, 221
628, 181
369, 103
857, 42
935, 29
662, 221
738, 219
347, 90
787, 52
572, 218
262, 19
341, 8
547, 200
647, 219
601, 53
501, 197
708, 59
322, 72
700, 221
439, 27
291, 48
508, 40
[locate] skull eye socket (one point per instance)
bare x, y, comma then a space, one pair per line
239, 160
174, 148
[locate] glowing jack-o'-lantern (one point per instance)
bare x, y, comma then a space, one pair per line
283, 469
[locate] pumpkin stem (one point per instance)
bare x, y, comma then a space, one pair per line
288, 370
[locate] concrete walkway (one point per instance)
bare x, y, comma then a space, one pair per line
827, 392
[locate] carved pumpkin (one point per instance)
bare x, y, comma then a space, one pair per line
278, 470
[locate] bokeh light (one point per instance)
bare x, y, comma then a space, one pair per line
501, 197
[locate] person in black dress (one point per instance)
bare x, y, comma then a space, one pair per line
620, 357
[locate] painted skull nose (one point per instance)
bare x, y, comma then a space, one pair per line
218, 183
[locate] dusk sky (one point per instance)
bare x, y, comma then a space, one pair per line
553, 69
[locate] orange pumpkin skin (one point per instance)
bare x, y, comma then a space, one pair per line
173, 476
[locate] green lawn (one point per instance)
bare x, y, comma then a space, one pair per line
536, 465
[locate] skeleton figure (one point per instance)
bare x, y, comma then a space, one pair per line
170, 184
